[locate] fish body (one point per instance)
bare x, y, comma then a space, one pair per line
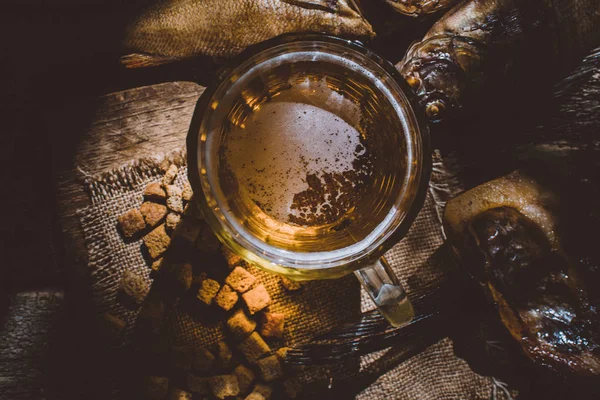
479, 41
179, 29
416, 8
508, 235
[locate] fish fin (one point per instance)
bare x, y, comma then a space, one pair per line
140, 60
355, 5
322, 5
338, 7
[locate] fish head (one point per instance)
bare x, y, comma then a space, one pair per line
440, 70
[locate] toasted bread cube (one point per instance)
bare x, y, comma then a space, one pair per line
172, 221
202, 360
178, 394
233, 260
164, 165
240, 325
272, 325
157, 265
269, 368
240, 279
170, 175
290, 285
188, 229
181, 357
253, 347
208, 290
256, 299
263, 389
224, 355
131, 223
112, 326
255, 396
156, 387
155, 192
226, 298
172, 190
187, 192
175, 203
174, 200
132, 289
198, 279
198, 384
153, 213
245, 377
224, 386
157, 241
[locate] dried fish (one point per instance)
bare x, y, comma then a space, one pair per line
478, 41
415, 8
507, 232
179, 29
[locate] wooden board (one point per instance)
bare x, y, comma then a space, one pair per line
49, 347
30, 323
124, 126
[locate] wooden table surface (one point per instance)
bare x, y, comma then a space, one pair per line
47, 349
141, 122
126, 125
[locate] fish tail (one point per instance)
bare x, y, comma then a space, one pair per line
140, 60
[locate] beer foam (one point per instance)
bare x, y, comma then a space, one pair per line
285, 142
276, 238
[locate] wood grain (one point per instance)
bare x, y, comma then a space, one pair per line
135, 123
123, 126
31, 321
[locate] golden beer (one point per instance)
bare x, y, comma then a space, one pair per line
310, 162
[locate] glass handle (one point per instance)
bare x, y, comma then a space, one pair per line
386, 291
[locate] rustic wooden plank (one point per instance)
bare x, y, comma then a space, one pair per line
47, 348
31, 321
136, 123
46, 353
140, 122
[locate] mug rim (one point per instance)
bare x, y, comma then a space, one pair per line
338, 267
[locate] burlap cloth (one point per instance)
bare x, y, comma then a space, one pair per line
435, 373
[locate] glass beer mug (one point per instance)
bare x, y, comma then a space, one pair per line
308, 160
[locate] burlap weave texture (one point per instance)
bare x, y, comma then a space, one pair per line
436, 373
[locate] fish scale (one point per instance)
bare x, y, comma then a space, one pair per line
477, 42
416, 8
510, 235
181, 29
